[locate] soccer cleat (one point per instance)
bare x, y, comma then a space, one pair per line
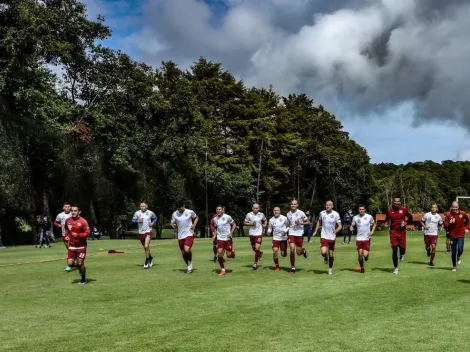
150, 262
146, 265
277, 268
292, 271
454, 269
402, 258
82, 282
395, 271
255, 266
222, 272
189, 270
428, 252
460, 261
215, 259
362, 271
68, 268
431, 264
330, 271
305, 253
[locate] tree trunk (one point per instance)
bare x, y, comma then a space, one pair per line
313, 192
259, 171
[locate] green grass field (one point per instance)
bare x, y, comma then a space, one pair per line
127, 308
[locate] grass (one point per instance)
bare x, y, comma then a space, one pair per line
127, 308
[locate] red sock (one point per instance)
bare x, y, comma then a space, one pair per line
257, 254
433, 254
221, 262
292, 259
189, 256
276, 260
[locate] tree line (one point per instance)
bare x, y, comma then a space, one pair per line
107, 132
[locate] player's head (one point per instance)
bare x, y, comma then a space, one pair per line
255, 208
329, 205
396, 202
75, 209
277, 211
220, 210
350, 211
294, 205
362, 209
455, 207
181, 207
143, 207
66, 208
434, 208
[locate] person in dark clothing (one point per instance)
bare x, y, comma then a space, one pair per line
45, 227
347, 220
96, 234
308, 227
240, 229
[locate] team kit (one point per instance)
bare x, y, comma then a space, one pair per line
287, 232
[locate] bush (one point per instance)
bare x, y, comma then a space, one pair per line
167, 226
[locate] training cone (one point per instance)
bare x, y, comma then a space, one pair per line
357, 268
101, 249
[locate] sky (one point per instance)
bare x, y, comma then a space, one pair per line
395, 73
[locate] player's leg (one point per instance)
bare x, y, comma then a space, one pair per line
299, 243
283, 248
220, 257
324, 249
402, 245
292, 253
81, 266
276, 255
188, 245
447, 241
349, 234
257, 246
145, 240
331, 256
433, 243
183, 253
460, 245
364, 253
395, 247
69, 263
360, 254
453, 251
229, 250
70, 259
427, 245
345, 234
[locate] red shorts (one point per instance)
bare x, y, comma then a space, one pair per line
256, 239
226, 245
282, 245
328, 243
398, 240
430, 239
76, 253
365, 245
188, 241
298, 240
143, 236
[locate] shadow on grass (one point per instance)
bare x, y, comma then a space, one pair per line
416, 262
183, 270
320, 272
349, 269
439, 268
385, 270
464, 281
142, 265
88, 281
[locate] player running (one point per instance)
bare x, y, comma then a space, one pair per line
257, 222
330, 222
77, 230
397, 218
296, 219
363, 222
431, 222
457, 221
278, 227
185, 221
224, 227
145, 219
60, 222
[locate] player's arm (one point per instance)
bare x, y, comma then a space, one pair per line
84, 231
270, 227
57, 222
353, 223
339, 226
305, 221
195, 221
173, 221
233, 226
265, 221
447, 221
135, 218
153, 220
388, 219
374, 225
214, 229
317, 227
247, 222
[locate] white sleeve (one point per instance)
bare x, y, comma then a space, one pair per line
353, 223
173, 218
136, 216
338, 220
372, 222
193, 214
230, 220
264, 217
247, 218
270, 226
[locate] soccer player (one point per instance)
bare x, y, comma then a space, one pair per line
278, 227
431, 222
185, 221
77, 230
397, 217
145, 219
224, 227
363, 222
257, 222
60, 222
296, 220
330, 222
457, 221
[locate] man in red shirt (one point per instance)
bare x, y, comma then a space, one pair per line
397, 217
457, 222
77, 230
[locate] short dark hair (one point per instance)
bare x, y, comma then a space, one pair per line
361, 205
220, 206
75, 206
66, 203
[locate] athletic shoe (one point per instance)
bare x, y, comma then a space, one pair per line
431, 264
146, 265
459, 262
222, 272
68, 268
150, 262
255, 266
277, 268
189, 270
330, 271
454, 269
362, 271
82, 282
343, 242
402, 258
395, 271
305, 253
292, 271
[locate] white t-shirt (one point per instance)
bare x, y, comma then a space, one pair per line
363, 224
278, 227
223, 226
432, 222
147, 217
183, 222
329, 221
258, 219
296, 230
61, 219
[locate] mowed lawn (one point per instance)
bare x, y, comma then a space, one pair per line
127, 308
